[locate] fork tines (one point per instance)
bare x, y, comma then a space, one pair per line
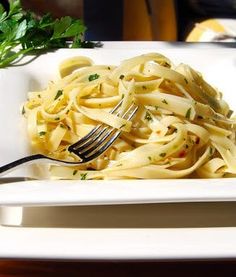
101, 137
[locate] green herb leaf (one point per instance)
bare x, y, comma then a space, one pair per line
23, 110
75, 172
60, 26
188, 113
162, 155
93, 77
59, 93
42, 133
83, 176
148, 116
21, 30
164, 101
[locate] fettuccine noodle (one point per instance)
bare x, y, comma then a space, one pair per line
183, 127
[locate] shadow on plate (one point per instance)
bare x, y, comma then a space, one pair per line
181, 215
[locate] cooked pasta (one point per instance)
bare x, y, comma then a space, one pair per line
183, 127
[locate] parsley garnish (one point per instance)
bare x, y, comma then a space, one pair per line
162, 155
23, 32
83, 176
150, 158
166, 64
122, 77
188, 113
75, 172
148, 117
156, 107
93, 77
164, 101
57, 118
42, 133
186, 81
23, 110
59, 93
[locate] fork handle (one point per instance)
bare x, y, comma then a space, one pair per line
26, 160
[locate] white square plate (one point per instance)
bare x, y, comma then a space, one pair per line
218, 67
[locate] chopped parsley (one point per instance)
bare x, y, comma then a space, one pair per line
148, 116
211, 151
39, 96
166, 64
162, 155
62, 126
188, 113
59, 93
144, 87
57, 118
164, 101
83, 176
42, 133
122, 77
75, 172
186, 81
93, 77
23, 110
156, 107
150, 158
122, 96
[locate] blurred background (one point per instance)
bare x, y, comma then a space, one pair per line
164, 20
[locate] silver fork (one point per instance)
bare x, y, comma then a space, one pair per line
90, 147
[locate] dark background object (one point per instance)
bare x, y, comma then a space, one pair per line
104, 19
190, 12
5, 4
118, 269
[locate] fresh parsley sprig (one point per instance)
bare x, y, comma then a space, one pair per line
23, 32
